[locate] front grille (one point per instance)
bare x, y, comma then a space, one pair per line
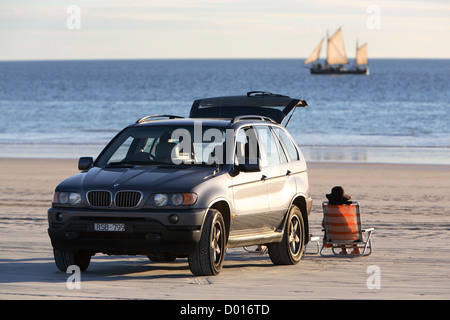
127, 199
99, 198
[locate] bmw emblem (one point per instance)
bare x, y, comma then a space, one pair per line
116, 185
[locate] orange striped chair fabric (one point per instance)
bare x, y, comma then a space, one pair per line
342, 222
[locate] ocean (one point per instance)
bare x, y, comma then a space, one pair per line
400, 113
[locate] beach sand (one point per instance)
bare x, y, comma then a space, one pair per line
408, 205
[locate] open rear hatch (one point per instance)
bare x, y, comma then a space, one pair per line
258, 103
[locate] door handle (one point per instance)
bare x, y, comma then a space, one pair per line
264, 177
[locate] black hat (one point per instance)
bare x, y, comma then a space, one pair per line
338, 196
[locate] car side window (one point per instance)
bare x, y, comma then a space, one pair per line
271, 146
246, 145
289, 146
281, 152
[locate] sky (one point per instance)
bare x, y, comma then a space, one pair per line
154, 29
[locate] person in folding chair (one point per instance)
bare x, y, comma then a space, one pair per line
342, 225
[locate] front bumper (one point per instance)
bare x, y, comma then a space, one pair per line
146, 232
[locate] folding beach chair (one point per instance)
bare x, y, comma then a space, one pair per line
313, 239
343, 230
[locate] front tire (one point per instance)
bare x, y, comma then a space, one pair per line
64, 259
290, 250
207, 259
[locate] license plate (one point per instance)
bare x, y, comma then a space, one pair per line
115, 227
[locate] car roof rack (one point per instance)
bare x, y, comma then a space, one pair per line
147, 118
250, 116
264, 94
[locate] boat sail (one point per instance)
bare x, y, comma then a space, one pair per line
314, 56
337, 57
361, 55
336, 49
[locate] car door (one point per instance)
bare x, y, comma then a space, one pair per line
281, 185
249, 188
296, 161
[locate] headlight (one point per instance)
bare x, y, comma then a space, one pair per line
63, 197
173, 199
72, 198
160, 199
177, 199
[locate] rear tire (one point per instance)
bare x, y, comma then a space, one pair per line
64, 259
290, 250
207, 259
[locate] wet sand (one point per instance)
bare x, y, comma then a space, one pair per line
408, 205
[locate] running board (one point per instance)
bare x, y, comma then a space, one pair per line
242, 241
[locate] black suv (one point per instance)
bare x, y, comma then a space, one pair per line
228, 176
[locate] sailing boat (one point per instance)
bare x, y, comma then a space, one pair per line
336, 57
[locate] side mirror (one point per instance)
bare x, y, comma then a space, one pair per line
85, 163
250, 165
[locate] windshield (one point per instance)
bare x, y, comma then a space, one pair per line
151, 145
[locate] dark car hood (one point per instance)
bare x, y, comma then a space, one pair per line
143, 178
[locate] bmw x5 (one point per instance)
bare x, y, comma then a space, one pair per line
167, 187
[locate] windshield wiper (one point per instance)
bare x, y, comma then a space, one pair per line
195, 164
130, 164
120, 164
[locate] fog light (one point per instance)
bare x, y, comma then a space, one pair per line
173, 218
59, 216
153, 236
71, 235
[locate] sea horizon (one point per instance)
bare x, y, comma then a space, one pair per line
301, 59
